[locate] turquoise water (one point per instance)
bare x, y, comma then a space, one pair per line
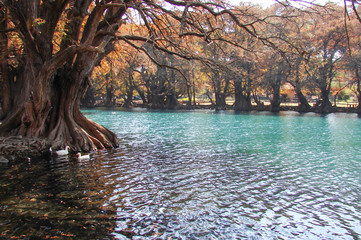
196, 175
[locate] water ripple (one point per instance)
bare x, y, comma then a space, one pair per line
197, 175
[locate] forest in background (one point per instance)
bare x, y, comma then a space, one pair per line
166, 55
308, 56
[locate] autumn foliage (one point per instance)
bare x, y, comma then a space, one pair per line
55, 53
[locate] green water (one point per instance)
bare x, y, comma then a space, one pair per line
195, 175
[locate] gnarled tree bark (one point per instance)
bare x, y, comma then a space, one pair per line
51, 83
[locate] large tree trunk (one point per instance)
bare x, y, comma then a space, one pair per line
51, 112
48, 87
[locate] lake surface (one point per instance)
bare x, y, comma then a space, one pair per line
195, 175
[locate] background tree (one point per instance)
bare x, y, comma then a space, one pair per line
275, 76
352, 61
329, 46
243, 70
299, 35
215, 69
354, 64
243, 84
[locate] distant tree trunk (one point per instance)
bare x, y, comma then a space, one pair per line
276, 92
276, 75
194, 94
209, 95
242, 98
243, 103
147, 78
89, 98
129, 83
220, 85
171, 101
358, 89
304, 105
220, 100
161, 90
109, 96
324, 83
325, 105
259, 103
128, 101
141, 93
189, 94
190, 88
157, 101
276, 98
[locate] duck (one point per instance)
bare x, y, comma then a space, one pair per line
61, 152
3, 159
80, 157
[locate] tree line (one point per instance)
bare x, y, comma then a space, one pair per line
312, 52
53, 51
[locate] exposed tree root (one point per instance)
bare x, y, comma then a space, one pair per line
75, 131
81, 134
21, 147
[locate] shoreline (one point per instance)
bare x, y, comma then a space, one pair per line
22, 148
266, 108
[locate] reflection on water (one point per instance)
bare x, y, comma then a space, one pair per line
195, 175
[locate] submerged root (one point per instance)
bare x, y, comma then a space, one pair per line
73, 130
81, 134
100, 136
